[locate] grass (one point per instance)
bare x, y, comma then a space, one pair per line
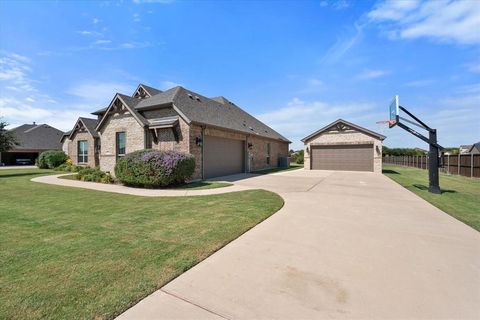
460, 196
69, 253
198, 185
293, 166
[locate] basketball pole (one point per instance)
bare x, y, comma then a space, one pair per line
434, 150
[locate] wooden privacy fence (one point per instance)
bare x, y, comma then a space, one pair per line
467, 165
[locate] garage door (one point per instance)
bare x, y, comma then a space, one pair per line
358, 157
223, 156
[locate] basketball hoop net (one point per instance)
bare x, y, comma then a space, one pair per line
381, 124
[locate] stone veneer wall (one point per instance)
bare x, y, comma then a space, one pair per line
73, 149
258, 152
134, 135
166, 138
353, 137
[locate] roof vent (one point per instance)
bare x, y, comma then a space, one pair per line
190, 96
197, 98
250, 128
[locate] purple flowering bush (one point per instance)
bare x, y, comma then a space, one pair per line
153, 168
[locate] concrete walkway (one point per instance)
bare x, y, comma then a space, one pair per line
54, 179
345, 245
17, 167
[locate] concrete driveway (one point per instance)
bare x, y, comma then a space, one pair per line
345, 245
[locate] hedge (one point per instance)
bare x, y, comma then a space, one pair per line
152, 168
51, 159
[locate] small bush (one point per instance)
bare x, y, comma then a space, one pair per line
299, 157
68, 167
51, 159
152, 168
93, 175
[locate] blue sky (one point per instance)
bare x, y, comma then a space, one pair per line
296, 65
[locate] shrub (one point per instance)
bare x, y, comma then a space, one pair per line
68, 167
93, 175
299, 157
51, 159
152, 168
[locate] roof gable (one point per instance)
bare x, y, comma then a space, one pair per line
123, 102
193, 107
144, 91
342, 125
83, 125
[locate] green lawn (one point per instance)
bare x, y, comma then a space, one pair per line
69, 253
198, 185
293, 166
460, 196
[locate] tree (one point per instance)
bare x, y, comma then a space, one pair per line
7, 138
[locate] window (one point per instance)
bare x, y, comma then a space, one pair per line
82, 151
268, 152
120, 138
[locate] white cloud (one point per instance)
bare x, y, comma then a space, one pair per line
136, 17
98, 94
90, 33
102, 42
164, 85
14, 69
474, 67
340, 4
95, 20
343, 45
315, 82
441, 20
372, 74
299, 118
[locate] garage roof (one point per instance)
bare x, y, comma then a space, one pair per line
347, 124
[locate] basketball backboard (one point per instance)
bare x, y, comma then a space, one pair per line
394, 111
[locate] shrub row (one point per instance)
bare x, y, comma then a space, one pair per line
51, 159
153, 169
68, 167
93, 175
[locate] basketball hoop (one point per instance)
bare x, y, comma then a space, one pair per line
381, 124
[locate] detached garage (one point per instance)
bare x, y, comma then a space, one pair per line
342, 145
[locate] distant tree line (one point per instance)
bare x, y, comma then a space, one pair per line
386, 151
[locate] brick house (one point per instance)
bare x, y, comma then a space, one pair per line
223, 138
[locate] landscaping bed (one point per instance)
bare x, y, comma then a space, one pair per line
81, 254
197, 185
460, 195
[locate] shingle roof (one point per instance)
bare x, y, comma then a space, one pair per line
475, 145
37, 137
90, 124
352, 125
151, 91
202, 110
218, 111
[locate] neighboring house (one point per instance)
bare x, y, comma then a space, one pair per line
475, 148
465, 149
32, 140
83, 143
342, 145
223, 138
